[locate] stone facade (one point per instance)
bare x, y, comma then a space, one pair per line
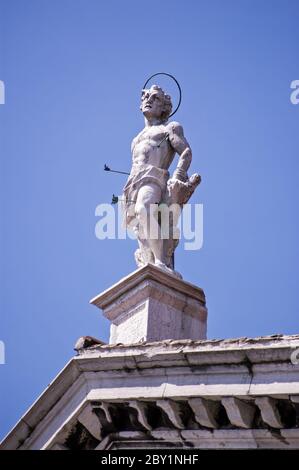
238, 394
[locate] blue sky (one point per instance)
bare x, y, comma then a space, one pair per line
73, 72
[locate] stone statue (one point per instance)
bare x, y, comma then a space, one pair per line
149, 186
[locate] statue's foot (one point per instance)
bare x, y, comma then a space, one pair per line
163, 266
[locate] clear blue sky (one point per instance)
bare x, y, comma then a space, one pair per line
73, 72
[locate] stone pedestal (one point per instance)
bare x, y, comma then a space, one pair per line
152, 305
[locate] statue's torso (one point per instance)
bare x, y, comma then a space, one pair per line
150, 147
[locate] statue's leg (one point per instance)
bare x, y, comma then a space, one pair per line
146, 207
143, 254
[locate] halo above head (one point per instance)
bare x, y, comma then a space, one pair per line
177, 83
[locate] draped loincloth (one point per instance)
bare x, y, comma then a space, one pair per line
139, 176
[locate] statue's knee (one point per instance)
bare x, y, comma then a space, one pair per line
144, 209
141, 211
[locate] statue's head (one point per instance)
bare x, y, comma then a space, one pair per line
155, 103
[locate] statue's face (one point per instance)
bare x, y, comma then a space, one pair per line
152, 104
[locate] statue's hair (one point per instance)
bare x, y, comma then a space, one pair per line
167, 108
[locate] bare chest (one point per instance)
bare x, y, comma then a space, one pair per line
153, 136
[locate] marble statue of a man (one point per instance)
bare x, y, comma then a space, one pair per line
149, 184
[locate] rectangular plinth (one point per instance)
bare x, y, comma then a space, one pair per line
152, 305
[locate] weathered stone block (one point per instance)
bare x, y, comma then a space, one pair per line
152, 305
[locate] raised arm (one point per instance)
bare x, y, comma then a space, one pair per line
182, 148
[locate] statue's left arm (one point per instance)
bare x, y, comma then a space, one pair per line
180, 145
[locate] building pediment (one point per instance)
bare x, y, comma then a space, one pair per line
241, 393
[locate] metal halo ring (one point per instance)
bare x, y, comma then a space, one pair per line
178, 85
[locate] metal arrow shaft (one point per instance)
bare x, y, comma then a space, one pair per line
106, 168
